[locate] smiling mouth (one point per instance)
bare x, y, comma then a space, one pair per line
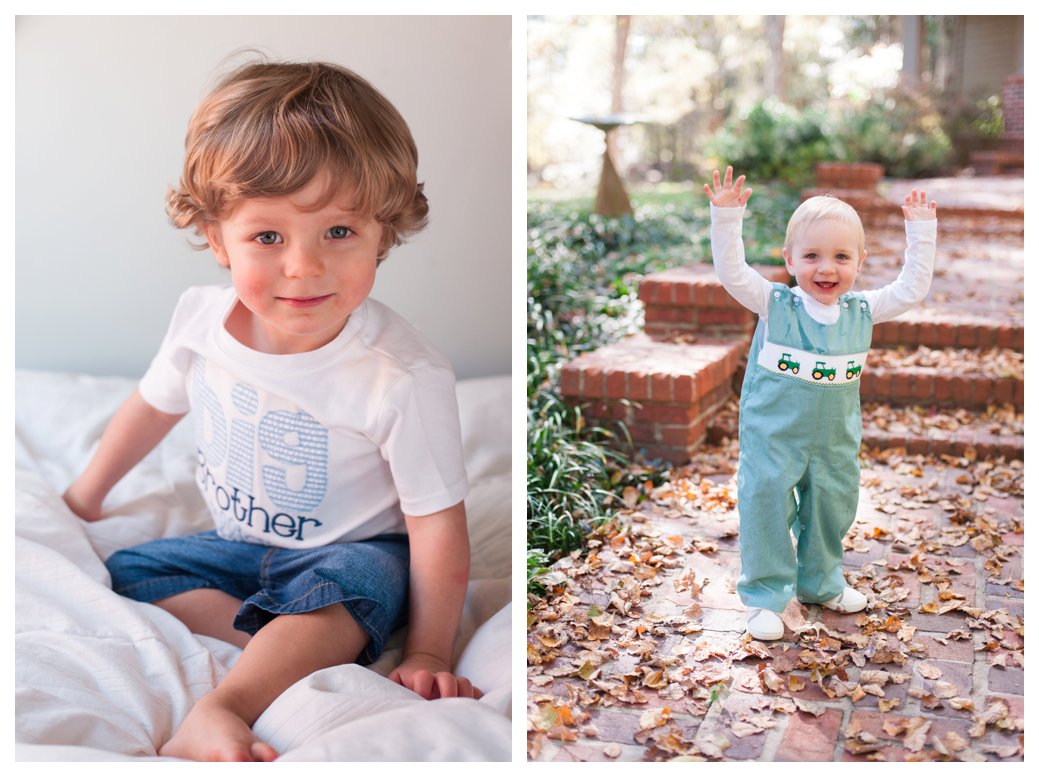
304, 302
826, 284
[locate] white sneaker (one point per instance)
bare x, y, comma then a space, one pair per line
848, 600
764, 624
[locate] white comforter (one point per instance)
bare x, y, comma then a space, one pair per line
101, 677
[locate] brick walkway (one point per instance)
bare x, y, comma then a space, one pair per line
898, 682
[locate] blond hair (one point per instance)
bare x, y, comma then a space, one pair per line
820, 208
268, 128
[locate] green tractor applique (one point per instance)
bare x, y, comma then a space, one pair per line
822, 370
787, 363
853, 369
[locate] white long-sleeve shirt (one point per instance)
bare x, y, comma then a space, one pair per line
753, 292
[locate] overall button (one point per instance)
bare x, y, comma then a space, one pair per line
775, 294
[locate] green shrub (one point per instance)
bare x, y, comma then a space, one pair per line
902, 133
972, 125
582, 274
773, 142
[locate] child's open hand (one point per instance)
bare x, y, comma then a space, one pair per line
917, 209
729, 194
431, 678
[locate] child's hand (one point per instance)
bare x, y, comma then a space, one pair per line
728, 195
917, 209
431, 678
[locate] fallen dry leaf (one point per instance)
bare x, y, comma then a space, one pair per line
916, 736
930, 671
944, 690
995, 712
654, 718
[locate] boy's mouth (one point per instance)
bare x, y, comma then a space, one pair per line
304, 302
826, 284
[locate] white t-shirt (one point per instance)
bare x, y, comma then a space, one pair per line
302, 450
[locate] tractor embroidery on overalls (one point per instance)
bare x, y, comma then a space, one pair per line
787, 363
822, 370
787, 360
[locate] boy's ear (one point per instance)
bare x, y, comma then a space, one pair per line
213, 237
862, 261
786, 258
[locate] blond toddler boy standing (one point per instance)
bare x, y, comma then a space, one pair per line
800, 421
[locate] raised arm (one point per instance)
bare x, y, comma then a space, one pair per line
914, 281
728, 202
134, 430
439, 576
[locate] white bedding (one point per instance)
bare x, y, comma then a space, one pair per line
101, 677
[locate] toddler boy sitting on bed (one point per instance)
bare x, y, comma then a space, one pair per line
327, 428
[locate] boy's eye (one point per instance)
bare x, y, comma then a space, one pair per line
268, 238
339, 233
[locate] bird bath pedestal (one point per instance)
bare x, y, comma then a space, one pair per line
611, 199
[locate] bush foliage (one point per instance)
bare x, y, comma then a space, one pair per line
906, 134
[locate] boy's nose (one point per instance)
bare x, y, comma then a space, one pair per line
303, 262
828, 267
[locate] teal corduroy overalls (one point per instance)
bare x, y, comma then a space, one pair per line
800, 431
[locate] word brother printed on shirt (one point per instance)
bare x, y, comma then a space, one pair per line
248, 498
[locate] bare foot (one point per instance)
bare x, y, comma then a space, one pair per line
213, 732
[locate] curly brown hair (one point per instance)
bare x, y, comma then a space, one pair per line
268, 128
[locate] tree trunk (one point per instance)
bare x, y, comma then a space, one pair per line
912, 51
775, 83
620, 51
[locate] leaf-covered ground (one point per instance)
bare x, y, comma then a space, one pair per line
638, 651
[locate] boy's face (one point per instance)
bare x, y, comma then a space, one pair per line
299, 273
825, 259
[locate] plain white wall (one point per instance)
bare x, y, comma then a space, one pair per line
102, 106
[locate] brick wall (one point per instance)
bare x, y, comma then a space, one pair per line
1014, 106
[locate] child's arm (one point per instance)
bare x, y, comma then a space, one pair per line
134, 430
913, 283
728, 201
439, 575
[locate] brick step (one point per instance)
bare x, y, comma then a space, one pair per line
912, 332
989, 434
875, 209
691, 299
962, 377
997, 161
664, 393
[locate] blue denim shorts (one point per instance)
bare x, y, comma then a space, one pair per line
370, 578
